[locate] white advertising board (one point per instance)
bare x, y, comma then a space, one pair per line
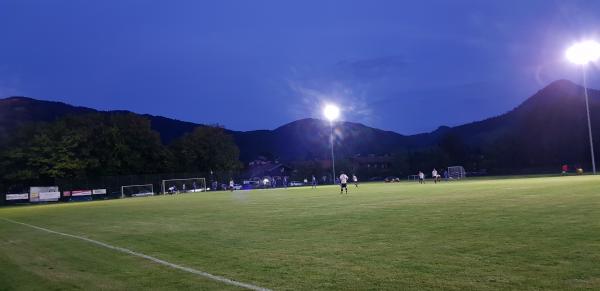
44, 194
23, 196
49, 196
98, 191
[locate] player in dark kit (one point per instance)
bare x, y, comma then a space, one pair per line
343, 183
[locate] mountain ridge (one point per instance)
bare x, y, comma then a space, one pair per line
555, 112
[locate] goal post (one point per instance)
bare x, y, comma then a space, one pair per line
187, 185
456, 172
137, 190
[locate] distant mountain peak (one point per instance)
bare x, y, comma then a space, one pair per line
316, 123
299, 122
563, 86
562, 82
18, 98
554, 94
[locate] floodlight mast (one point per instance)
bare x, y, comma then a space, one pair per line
582, 54
332, 156
331, 112
587, 109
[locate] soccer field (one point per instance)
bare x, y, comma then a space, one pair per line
536, 233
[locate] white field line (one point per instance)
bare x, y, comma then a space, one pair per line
156, 260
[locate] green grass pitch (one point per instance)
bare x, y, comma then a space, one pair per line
505, 234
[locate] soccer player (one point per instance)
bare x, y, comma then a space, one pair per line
434, 175
314, 181
343, 183
565, 169
231, 185
421, 178
355, 180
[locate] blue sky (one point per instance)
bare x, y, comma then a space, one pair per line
407, 66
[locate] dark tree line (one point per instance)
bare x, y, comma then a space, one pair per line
109, 145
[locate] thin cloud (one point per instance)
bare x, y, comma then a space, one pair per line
374, 67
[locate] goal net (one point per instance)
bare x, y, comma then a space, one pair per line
456, 172
137, 190
174, 186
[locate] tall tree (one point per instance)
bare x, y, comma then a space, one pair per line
94, 144
206, 148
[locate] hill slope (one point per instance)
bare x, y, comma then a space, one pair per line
17, 111
549, 128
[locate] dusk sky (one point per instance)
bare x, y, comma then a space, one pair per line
407, 66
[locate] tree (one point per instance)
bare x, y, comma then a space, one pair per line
206, 148
455, 149
401, 164
130, 146
85, 145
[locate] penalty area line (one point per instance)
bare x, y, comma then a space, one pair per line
153, 259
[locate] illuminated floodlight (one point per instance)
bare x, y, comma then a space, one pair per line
331, 112
584, 52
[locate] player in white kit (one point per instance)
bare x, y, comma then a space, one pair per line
343, 183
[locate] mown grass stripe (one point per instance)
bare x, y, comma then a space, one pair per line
156, 260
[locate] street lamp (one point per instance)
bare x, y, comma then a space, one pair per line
331, 112
582, 54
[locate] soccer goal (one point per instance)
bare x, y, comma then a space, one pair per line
137, 190
174, 186
456, 172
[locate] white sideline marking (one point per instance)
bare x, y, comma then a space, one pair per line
156, 260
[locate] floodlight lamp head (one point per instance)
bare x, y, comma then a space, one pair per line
584, 52
331, 112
